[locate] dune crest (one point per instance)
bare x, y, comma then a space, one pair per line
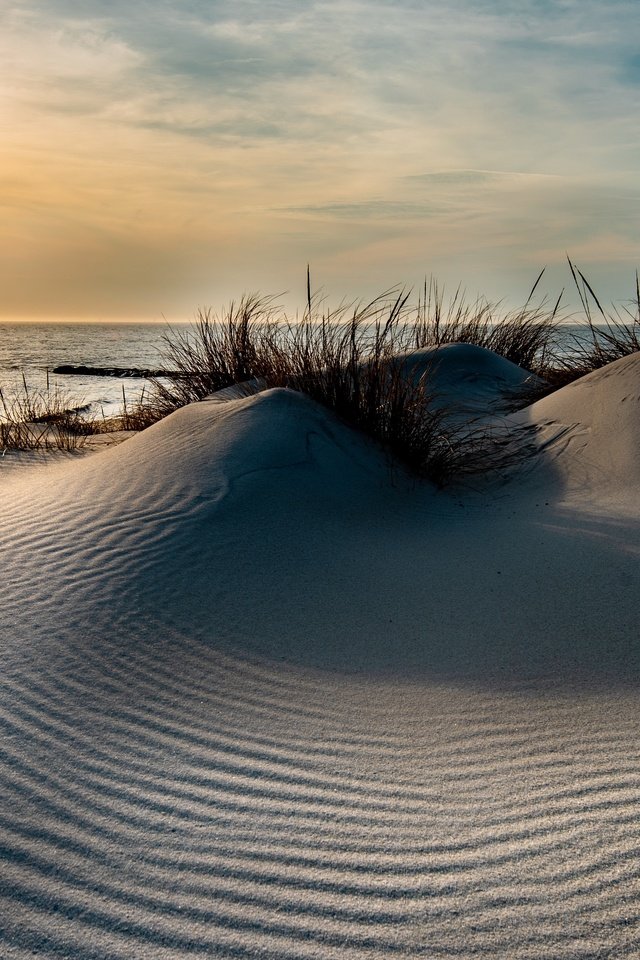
591, 431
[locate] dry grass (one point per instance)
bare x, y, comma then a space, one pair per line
345, 359
611, 335
525, 336
41, 420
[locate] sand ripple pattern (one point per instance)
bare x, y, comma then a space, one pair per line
162, 796
163, 800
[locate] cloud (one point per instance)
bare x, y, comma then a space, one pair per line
400, 128
370, 210
474, 178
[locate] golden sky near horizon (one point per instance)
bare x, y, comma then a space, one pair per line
162, 156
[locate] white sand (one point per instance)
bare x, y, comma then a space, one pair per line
262, 698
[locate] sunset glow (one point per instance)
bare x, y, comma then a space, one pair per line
162, 156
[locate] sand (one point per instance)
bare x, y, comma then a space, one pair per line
264, 697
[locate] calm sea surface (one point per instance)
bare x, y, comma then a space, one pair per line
30, 349
33, 348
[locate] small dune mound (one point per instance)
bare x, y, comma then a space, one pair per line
204, 448
216, 501
468, 379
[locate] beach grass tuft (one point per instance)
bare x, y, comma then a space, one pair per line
613, 333
346, 358
608, 335
41, 420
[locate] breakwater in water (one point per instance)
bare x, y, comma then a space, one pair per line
81, 370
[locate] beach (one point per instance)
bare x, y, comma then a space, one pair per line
264, 694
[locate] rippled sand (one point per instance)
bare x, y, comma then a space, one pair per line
261, 699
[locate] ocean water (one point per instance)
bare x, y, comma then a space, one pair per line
30, 349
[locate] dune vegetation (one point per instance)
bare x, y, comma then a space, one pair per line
42, 420
347, 359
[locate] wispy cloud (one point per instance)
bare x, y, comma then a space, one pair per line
370, 210
474, 178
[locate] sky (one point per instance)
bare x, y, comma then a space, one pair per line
158, 157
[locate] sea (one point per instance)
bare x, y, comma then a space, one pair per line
29, 353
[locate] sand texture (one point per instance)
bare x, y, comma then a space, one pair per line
262, 696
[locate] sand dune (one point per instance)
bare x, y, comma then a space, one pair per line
592, 428
468, 380
263, 697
